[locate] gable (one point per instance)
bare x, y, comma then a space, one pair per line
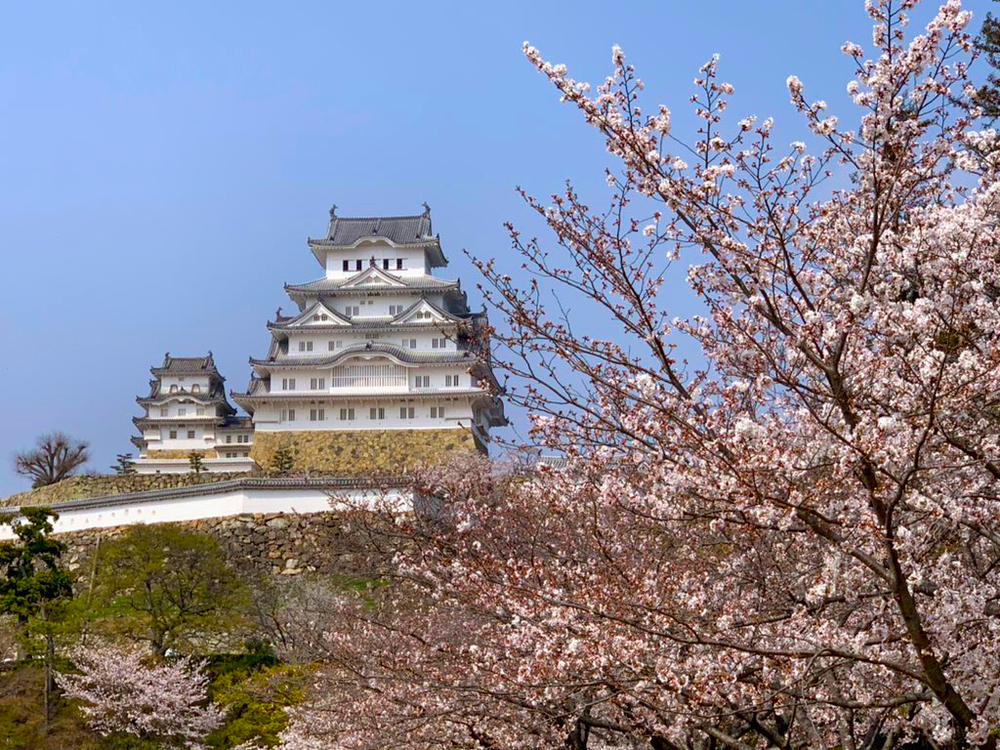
372, 276
319, 314
421, 312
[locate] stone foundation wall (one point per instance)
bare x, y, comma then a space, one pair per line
83, 487
163, 453
360, 452
279, 544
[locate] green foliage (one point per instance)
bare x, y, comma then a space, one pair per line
282, 461
197, 465
170, 587
124, 464
257, 689
127, 742
22, 715
30, 575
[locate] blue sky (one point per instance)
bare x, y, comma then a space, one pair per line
161, 165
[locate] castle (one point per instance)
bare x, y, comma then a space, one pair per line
381, 352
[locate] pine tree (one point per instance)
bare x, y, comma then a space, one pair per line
197, 465
124, 464
988, 44
282, 462
32, 583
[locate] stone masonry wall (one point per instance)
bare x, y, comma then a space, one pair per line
280, 544
86, 486
360, 452
164, 453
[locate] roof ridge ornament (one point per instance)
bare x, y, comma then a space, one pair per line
333, 220
427, 209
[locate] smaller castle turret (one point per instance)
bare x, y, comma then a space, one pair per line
187, 412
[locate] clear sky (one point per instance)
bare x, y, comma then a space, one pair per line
161, 164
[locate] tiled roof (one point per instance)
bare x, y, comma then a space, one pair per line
369, 347
401, 230
344, 232
328, 484
193, 419
216, 396
335, 286
186, 366
382, 321
236, 423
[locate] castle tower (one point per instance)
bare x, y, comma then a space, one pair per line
186, 411
382, 365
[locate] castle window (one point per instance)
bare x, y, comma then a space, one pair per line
351, 310
317, 384
439, 343
288, 384
406, 412
181, 411
409, 343
195, 388
347, 265
376, 413
385, 264
346, 414
288, 415
164, 411
317, 415
450, 380
371, 336
173, 389
399, 264
229, 438
395, 309
422, 381
173, 434
200, 411
437, 412
190, 434
357, 264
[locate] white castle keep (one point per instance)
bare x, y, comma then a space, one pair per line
380, 347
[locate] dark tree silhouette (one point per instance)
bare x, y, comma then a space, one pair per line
55, 457
988, 44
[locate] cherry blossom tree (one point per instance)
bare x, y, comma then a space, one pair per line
122, 694
792, 540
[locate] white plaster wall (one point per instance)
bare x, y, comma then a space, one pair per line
183, 465
389, 335
174, 408
414, 262
236, 502
183, 381
458, 413
436, 373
